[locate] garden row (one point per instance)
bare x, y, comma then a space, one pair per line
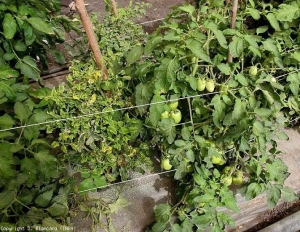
209, 91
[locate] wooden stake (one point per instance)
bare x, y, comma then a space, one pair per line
88, 27
114, 6
233, 23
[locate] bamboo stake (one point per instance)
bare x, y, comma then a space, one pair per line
88, 27
233, 23
114, 5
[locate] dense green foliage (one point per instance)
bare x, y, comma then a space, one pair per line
32, 189
231, 111
215, 122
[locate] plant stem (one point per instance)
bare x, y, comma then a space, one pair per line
233, 23
114, 6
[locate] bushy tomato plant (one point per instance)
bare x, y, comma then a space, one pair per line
244, 116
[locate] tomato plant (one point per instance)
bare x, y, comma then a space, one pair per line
236, 120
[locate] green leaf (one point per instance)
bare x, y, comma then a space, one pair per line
167, 128
219, 110
221, 38
205, 198
269, 45
273, 21
9, 26
156, 110
6, 197
8, 91
241, 79
6, 134
87, 185
254, 13
58, 210
282, 136
187, 8
176, 228
263, 112
287, 12
224, 68
258, 128
288, 194
273, 194
118, 204
27, 69
196, 48
162, 213
244, 145
20, 46
134, 54
150, 45
143, 94
6, 121
225, 218
22, 111
238, 110
255, 51
44, 199
229, 200
261, 29
185, 133
276, 170
236, 46
7, 72
40, 25
159, 227
44, 158
58, 56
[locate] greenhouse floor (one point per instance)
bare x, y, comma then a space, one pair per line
143, 193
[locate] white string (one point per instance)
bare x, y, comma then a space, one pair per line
121, 109
156, 20
126, 181
108, 111
142, 177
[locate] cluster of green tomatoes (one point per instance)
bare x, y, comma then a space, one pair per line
175, 113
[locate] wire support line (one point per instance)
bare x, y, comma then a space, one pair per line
125, 108
110, 111
157, 20
127, 181
142, 177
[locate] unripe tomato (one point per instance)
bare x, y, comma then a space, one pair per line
165, 164
217, 160
273, 79
237, 179
226, 180
226, 170
210, 86
253, 71
201, 84
165, 115
176, 115
174, 105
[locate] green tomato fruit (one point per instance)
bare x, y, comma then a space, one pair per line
165, 115
224, 89
176, 116
210, 86
217, 160
211, 143
174, 105
165, 164
237, 180
253, 71
201, 84
226, 170
226, 180
273, 79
